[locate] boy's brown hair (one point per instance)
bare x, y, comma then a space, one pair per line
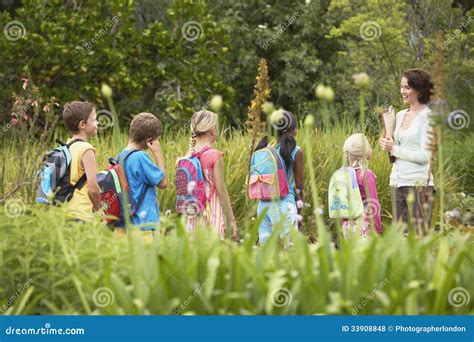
143, 127
76, 111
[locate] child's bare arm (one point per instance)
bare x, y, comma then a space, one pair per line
299, 174
223, 194
90, 167
155, 148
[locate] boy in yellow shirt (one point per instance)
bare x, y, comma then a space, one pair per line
81, 119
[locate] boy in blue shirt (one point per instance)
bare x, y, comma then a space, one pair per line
142, 174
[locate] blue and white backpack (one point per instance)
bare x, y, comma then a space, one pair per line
53, 178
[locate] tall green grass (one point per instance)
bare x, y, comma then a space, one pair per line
71, 268
326, 158
78, 269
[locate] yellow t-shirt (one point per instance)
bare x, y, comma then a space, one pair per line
80, 206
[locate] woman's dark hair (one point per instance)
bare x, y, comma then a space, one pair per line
420, 80
282, 128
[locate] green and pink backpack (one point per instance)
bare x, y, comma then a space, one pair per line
344, 199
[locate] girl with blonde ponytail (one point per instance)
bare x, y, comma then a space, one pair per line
357, 152
218, 211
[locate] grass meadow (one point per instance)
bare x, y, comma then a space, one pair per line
50, 266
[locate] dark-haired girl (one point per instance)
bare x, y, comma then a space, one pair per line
292, 156
411, 148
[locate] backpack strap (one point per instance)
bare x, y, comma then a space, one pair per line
72, 142
82, 180
198, 156
201, 152
62, 143
80, 183
140, 200
144, 191
122, 160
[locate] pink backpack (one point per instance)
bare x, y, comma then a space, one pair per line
189, 180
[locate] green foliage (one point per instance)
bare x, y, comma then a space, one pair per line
325, 159
138, 48
386, 45
86, 269
169, 58
150, 65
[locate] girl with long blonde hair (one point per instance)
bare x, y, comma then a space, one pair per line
218, 211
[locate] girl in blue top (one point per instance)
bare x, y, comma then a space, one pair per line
285, 208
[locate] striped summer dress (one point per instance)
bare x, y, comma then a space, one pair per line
213, 215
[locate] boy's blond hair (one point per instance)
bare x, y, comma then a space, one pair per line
144, 126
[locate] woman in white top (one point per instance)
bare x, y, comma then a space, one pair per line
411, 148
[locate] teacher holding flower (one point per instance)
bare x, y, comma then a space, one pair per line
411, 148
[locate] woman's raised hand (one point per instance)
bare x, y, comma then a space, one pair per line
386, 143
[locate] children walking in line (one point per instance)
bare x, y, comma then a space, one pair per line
81, 120
206, 199
280, 203
143, 175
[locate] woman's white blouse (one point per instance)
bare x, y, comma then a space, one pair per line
412, 150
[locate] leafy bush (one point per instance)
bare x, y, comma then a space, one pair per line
170, 57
